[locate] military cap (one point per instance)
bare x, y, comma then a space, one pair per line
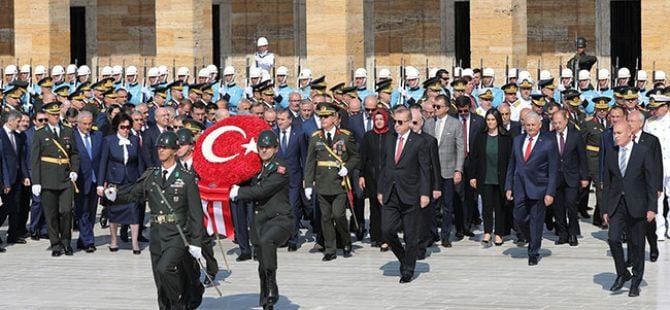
580, 42
195, 88
337, 89
486, 94
630, 93
110, 93
384, 86
161, 91
572, 96
547, 83
655, 91
267, 89
510, 88
108, 82
619, 90
325, 109
99, 86
62, 90
176, 85
268, 138
76, 95
525, 84
459, 84
194, 126
601, 102
208, 88
14, 91
226, 97
658, 101
538, 99
46, 82
21, 84
51, 107
432, 84
185, 136
351, 91
168, 139
257, 88
319, 85
86, 86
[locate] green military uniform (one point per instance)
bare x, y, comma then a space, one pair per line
321, 171
54, 157
581, 61
170, 260
591, 131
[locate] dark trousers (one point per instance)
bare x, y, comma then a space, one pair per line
174, 275
529, 217
426, 222
208, 254
396, 216
448, 196
57, 204
242, 213
269, 238
86, 206
565, 210
10, 209
375, 220
465, 204
621, 221
359, 204
37, 222
334, 221
595, 180
651, 237
314, 214
493, 207
294, 194
24, 208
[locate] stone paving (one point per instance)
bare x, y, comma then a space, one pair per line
465, 276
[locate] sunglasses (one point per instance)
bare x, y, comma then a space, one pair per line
124, 127
41, 120
444, 79
370, 110
463, 111
437, 107
401, 122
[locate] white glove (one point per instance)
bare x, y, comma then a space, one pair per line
233, 192
343, 171
110, 193
308, 193
195, 251
73, 176
37, 189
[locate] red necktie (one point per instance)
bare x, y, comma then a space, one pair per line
528, 148
562, 143
465, 136
398, 150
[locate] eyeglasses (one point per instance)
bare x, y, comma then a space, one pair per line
124, 127
504, 114
400, 122
41, 120
444, 78
437, 106
463, 111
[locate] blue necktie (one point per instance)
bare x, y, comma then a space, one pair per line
87, 144
284, 140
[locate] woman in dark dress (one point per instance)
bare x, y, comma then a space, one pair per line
488, 163
370, 152
120, 164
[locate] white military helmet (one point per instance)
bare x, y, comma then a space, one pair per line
513, 73
204, 72
71, 69
254, 72
183, 71
106, 70
117, 70
411, 73
525, 75
566, 73
468, 72
432, 72
660, 76
282, 71
360, 73
262, 41
11, 69
584, 75
489, 72
228, 70
305, 74
131, 70
212, 69
153, 72
545, 75
57, 70
40, 69
265, 75
25, 69
458, 72
623, 73
603, 74
641, 75
83, 70
384, 74
162, 70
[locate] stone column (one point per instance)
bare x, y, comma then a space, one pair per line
654, 38
42, 31
183, 32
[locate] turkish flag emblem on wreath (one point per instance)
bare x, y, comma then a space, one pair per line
225, 154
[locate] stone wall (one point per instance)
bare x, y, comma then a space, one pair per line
6, 27
125, 30
654, 34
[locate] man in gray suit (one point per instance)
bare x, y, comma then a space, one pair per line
449, 134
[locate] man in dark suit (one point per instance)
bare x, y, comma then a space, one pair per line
513, 127
629, 192
14, 176
89, 144
616, 114
572, 175
404, 187
310, 122
531, 181
292, 151
150, 136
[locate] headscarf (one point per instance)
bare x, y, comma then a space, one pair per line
385, 115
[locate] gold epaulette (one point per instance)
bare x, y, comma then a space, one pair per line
67, 125
317, 133
588, 119
344, 131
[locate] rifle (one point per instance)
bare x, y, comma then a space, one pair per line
2, 74
123, 71
247, 71
575, 76
481, 71
597, 76
616, 69
297, 79
427, 70
637, 68
109, 61
30, 74
351, 70
174, 70
374, 70
144, 78
653, 73
97, 69
506, 69
453, 67
560, 69
539, 66
401, 76
195, 73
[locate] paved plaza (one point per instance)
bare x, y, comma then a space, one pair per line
465, 276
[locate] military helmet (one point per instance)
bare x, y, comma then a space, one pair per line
168, 139
185, 136
580, 42
267, 138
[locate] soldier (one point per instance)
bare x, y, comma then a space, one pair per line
581, 60
273, 219
282, 88
515, 105
413, 90
176, 94
384, 94
172, 194
331, 154
623, 77
304, 82
360, 80
592, 129
55, 162
228, 87
263, 57
133, 87
604, 89
659, 126
572, 104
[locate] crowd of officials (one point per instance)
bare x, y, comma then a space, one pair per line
519, 159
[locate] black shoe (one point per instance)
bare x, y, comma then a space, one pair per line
141, 238
459, 236
328, 257
634, 291
383, 248
124, 233
35, 236
407, 278
273, 290
255, 256
476, 221
550, 226
468, 233
56, 253
573, 241
90, 249
374, 244
584, 213
69, 251
521, 242
104, 222
243, 257
268, 307
292, 247
360, 234
561, 240
446, 244
653, 255
620, 281
347, 250
17, 241
532, 260
421, 255
111, 249
137, 252
3, 250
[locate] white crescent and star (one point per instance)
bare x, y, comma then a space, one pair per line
208, 143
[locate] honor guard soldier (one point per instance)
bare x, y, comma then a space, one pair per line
264, 58
581, 60
360, 81
228, 87
282, 88
331, 154
604, 89
172, 194
515, 105
304, 80
592, 129
133, 86
55, 162
272, 223
659, 126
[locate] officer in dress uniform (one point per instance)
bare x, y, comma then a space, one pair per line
272, 223
659, 126
337, 94
175, 94
581, 60
331, 154
12, 98
384, 91
55, 162
587, 91
515, 105
592, 129
573, 105
172, 194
